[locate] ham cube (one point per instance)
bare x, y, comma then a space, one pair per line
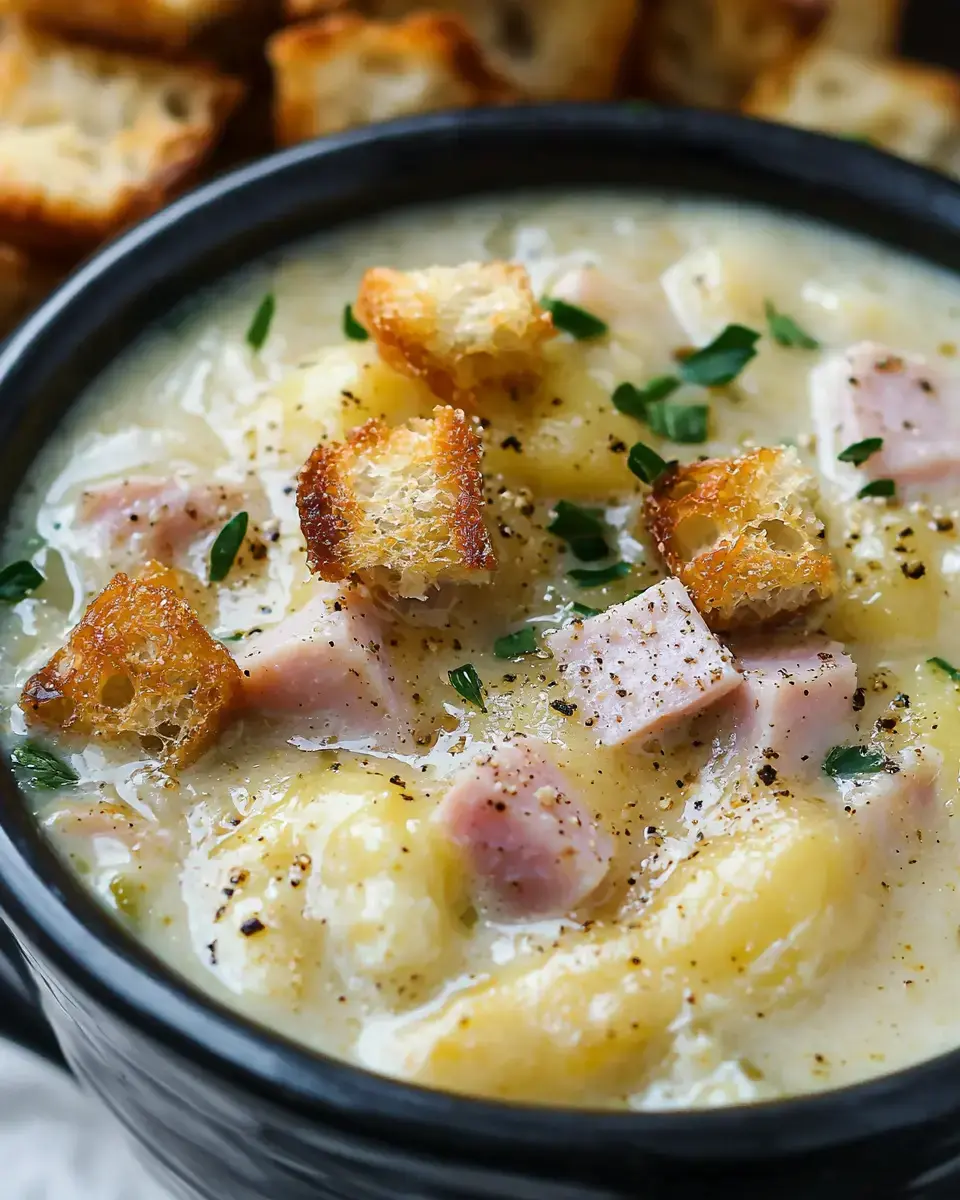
796, 702
896, 805
531, 843
643, 667
871, 391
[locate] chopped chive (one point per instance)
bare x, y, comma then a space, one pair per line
582, 529
466, 681
41, 768
647, 464
597, 577
722, 361
686, 423
632, 400
943, 665
515, 645
786, 332
859, 452
352, 327
879, 487
584, 610
224, 549
18, 580
574, 320
845, 761
262, 320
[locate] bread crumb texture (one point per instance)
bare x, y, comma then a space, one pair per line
169, 23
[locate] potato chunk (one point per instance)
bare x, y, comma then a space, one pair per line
403, 505
742, 537
139, 664
457, 328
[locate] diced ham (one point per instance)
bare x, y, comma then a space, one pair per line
644, 666
625, 305
532, 844
872, 391
796, 702
893, 806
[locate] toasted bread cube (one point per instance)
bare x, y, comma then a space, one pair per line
138, 665
742, 537
168, 23
404, 504
457, 328
343, 71
908, 109
864, 26
91, 141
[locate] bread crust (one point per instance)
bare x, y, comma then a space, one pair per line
140, 22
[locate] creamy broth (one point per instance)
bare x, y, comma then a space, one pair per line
366, 927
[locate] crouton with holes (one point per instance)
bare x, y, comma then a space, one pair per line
908, 109
742, 537
91, 141
139, 666
403, 507
343, 71
166, 23
459, 329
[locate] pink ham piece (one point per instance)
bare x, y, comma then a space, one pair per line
871, 391
796, 702
532, 845
644, 666
896, 805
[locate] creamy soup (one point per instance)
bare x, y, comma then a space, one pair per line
610, 769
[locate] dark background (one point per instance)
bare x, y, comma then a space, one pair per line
932, 32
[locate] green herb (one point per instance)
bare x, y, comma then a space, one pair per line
352, 327
262, 319
633, 400
859, 452
576, 321
786, 332
582, 529
943, 665
466, 681
233, 637
679, 422
125, 896
879, 487
844, 761
515, 645
584, 610
722, 361
42, 769
647, 464
601, 575
224, 549
17, 580
863, 138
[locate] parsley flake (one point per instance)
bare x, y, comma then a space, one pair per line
262, 320
943, 665
686, 423
647, 464
574, 320
582, 529
352, 327
879, 487
859, 452
842, 762
18, 580
786, 332
632, 400
466, 681
515, 645
587, 577
585, 611
224, 549
40, 768
722, 361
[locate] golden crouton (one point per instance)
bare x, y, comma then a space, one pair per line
457, 328
864, 26
907, 109
91, 141
742, 537
138, 665
169, 23
404, 504
707, 53
343, 71
547, 49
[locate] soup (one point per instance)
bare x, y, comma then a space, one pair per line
510, 647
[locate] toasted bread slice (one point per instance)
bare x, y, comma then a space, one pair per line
906, 108
166, 23
864, 26
741, 535
140, 666
404, 507
91, 141
343, 71
457, 328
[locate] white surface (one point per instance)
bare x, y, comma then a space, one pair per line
58, 1144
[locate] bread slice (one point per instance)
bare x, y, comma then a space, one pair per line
164, 23
403, 507
457, 328
908, 109
139, 666
742, 537
868, 27
91, 141
343, 71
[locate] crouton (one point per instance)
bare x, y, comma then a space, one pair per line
546, 49
139, 665
908, 109
91, 141
343, 71
404, 505
742, 537
864, 26
167, 23
457, 328
709, 52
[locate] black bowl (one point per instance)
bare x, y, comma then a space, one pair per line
231, 1110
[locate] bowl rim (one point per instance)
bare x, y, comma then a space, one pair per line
63, 927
